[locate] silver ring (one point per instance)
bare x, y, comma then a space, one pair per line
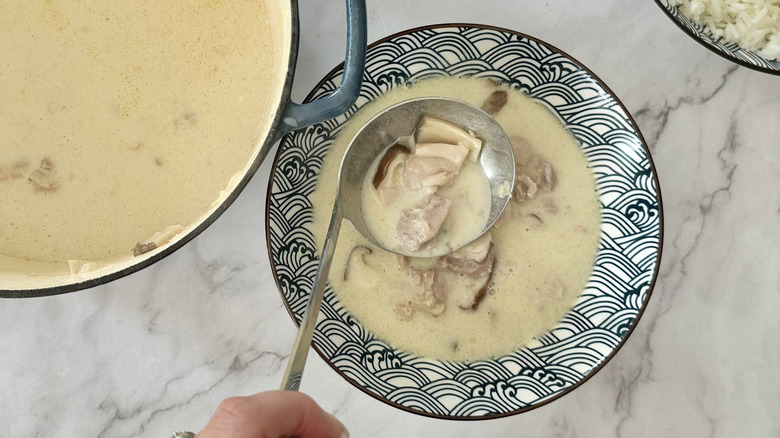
183, 435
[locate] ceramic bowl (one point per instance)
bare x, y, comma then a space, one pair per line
730, 51
628, 254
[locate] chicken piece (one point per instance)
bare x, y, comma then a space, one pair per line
420, 224
533, 172
425, 293
477, 250
388, 174
525, 188
433, 165
475, 263
428, 292
467, 267
428, 173
435, 130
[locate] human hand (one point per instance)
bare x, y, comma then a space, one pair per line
272, 414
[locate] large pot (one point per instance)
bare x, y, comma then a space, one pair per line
20, 278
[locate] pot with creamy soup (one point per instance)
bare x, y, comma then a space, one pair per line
127, 128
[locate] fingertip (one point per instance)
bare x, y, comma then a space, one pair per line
316, 422
273, 413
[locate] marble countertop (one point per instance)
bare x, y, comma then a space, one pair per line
158, 350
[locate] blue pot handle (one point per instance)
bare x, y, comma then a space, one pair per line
300, 115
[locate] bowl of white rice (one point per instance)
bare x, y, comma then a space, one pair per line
746, 32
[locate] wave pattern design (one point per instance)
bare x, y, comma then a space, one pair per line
615, 294
730, 50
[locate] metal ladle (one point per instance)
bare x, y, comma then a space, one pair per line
496, 158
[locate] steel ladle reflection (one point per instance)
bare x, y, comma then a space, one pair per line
496, 158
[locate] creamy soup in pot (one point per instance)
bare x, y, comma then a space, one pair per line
503, 290
124, 123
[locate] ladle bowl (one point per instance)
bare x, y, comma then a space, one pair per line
496, 157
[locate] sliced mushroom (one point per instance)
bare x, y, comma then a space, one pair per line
456, 153
359, 271
46, 165
536, 220
393, 154
495, 102
435, 130
472, 297
356, 256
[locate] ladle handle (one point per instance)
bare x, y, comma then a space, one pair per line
298, 115
292, 375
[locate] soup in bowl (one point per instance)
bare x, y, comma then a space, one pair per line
526, 313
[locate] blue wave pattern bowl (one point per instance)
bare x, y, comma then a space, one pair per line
730, 51
628, 254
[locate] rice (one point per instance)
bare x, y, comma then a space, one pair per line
752, 24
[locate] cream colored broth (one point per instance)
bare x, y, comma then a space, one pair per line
543, 259
144, 111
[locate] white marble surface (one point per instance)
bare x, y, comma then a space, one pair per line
156, 351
